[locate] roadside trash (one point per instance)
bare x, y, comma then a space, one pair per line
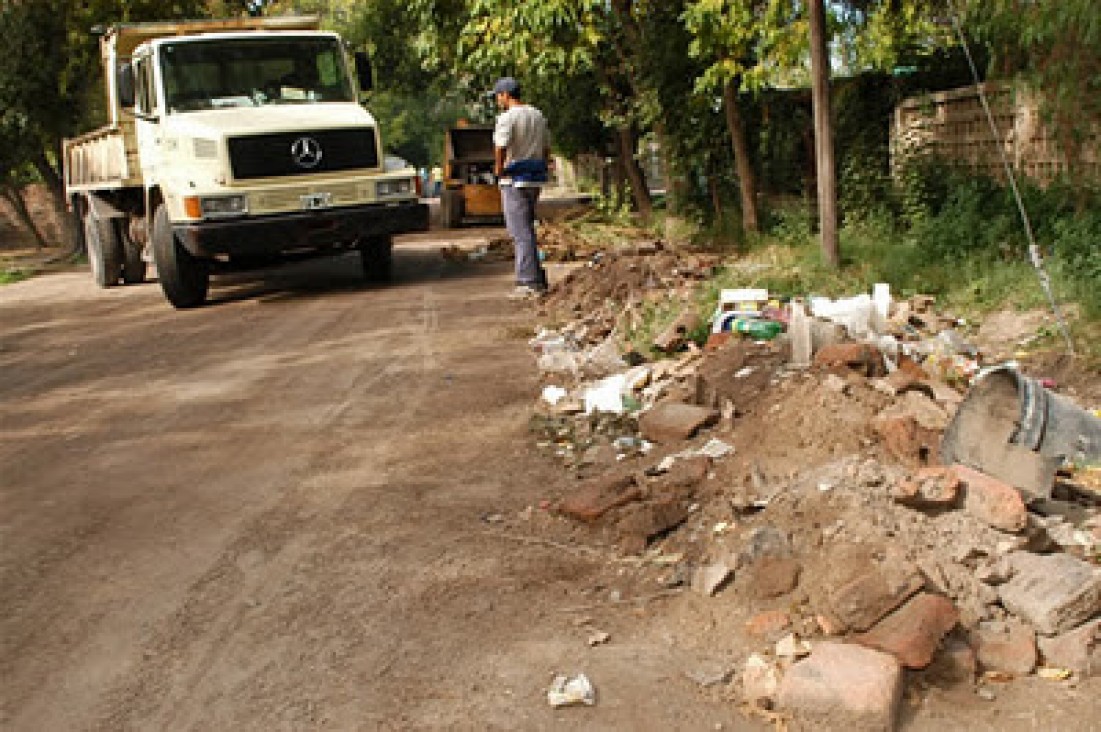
756, 328
802, 347
708, 579
746, 302
715, 449
790, 646
598, 638
1012, 428
566, 692
554, 394
606, 395
855, 313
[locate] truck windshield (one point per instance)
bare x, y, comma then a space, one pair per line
217, 73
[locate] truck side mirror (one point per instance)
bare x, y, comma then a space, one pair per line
364, 71
124, 83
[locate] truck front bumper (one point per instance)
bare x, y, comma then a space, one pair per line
328, 229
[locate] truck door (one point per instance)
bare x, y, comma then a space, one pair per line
147, 127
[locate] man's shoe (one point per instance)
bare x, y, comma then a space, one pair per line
526, 292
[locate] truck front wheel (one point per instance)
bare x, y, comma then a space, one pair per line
184, 278
377, 255
104, 249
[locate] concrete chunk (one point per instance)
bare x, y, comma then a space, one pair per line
1053, 592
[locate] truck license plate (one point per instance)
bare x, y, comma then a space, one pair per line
315, 201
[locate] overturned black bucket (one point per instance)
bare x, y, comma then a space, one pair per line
1011, 427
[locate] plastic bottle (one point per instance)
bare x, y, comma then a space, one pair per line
761, 330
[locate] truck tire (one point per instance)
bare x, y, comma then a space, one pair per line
104, 249
377, 255
134, 267
184, 278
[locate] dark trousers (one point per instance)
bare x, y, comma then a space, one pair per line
519, 207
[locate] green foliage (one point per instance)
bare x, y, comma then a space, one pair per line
1054, 46
11, 275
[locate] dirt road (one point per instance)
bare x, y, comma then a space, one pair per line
271, 513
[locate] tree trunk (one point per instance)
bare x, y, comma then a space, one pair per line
823, 134
56, 190
640, 192
15, 197
747, 182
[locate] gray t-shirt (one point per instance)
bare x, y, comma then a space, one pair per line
522, 131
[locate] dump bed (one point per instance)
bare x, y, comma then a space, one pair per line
106, 158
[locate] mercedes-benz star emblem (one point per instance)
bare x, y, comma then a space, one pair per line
306, 152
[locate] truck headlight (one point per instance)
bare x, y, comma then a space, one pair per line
218, 206
394, 187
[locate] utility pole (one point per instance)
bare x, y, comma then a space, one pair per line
825, 167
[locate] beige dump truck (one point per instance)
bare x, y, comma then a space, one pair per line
233, 144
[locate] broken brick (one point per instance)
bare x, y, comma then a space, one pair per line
862, 358
913, 633
877, 590
843, 686
644, 521
769, 624
596, 497
1009, 647
674, 421
906, 440
771, 577
931, 487
991, 501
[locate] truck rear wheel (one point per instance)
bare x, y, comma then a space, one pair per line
104, 249
377, 256
184, 278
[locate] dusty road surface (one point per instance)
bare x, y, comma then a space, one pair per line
271, 513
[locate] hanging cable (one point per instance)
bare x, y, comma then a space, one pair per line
1033, 248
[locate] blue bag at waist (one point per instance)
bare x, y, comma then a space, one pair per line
527, 171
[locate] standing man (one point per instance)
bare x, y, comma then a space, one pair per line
522, 148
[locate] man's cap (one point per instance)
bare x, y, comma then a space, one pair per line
507, 85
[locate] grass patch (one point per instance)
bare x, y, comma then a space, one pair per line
11, 275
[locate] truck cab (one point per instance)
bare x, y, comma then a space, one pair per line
232, 144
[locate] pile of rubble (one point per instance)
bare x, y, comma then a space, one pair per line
850, 474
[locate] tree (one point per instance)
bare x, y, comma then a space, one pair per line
748, 45
826, 172
50, 56
1053, 46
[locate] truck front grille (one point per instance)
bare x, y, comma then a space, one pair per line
302, 153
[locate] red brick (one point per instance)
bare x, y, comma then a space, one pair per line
687, 472
913, 633
647, 520
674, 421
769, 624
877, 590
771, 577
1008, 647
906, 440
956, 662
991, 501
843, 686
596, 497
931, 487
860, 357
